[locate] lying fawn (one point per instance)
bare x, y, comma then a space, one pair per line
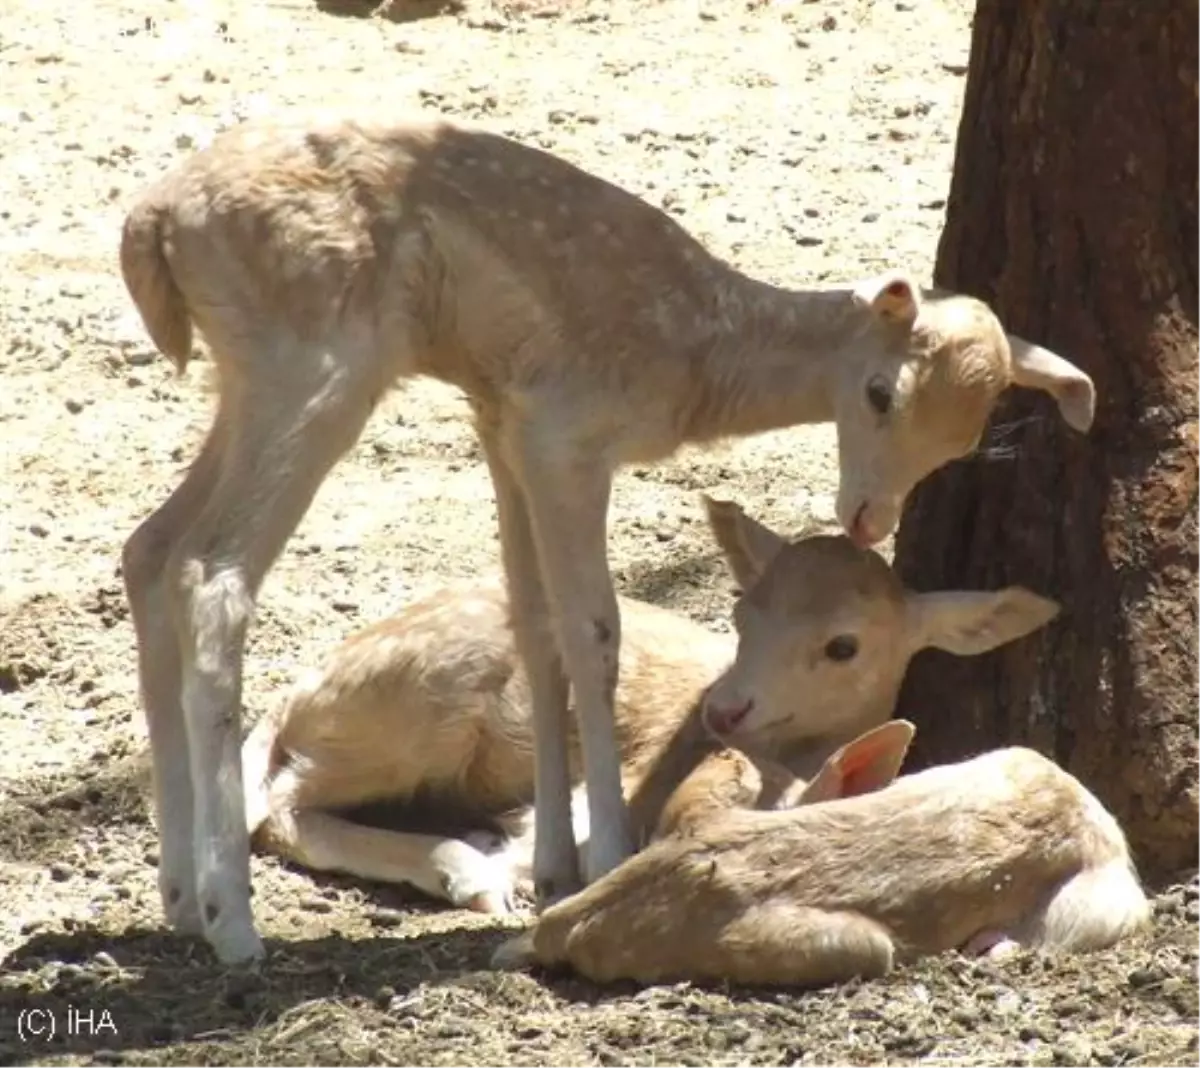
1003, 849
325, 263
433, 704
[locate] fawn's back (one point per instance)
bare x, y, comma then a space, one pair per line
445, 247
931, 853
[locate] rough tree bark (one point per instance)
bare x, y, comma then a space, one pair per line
1073, 212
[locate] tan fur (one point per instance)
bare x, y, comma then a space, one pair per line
326, 262
434, 703
1006, 844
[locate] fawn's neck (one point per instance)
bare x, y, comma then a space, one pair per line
772, 358
668, 760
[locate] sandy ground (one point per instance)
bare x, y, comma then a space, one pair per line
807, 142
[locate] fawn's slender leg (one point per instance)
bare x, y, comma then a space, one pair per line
556, 861
567, 498
648, 938
281, 446
779, 942
143, 564
442, 867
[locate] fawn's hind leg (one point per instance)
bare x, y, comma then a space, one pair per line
143, 566
445, 868
1093, 909
645, 924
780, 943
285, 434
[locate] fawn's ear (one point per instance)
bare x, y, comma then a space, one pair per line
749, 547
892, 297
862, 766
967, 622
1037, 368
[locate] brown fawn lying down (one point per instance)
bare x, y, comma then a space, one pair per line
325, 262
432, 704
1001, 849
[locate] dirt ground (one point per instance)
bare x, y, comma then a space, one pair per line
807, 142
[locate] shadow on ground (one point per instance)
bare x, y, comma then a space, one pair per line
392, 10
149, 988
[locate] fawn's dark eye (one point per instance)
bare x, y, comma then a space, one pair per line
879, 395
842, 648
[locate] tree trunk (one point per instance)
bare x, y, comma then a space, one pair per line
1072, 211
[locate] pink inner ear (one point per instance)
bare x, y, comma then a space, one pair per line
856, 777
856, 781
898, 289
860, 769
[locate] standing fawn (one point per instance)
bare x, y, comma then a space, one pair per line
432, 705
326, 263
1003, 849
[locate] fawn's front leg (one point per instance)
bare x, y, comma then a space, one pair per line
567, 500
555, 859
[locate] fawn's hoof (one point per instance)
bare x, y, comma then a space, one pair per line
474, 881
180, 899
516, 954
501, 902
993, 944
234, 939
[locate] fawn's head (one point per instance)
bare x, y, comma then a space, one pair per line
918, 389
826, 631
731, 779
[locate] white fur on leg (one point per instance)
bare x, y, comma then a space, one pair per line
591, 652
555, 862
567, 495
224, 890
158, 662
473, 880
176, 862
222, 845
611, 840
449, 869
221, 608
516, 853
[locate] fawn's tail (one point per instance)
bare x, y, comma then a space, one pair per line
148, 277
